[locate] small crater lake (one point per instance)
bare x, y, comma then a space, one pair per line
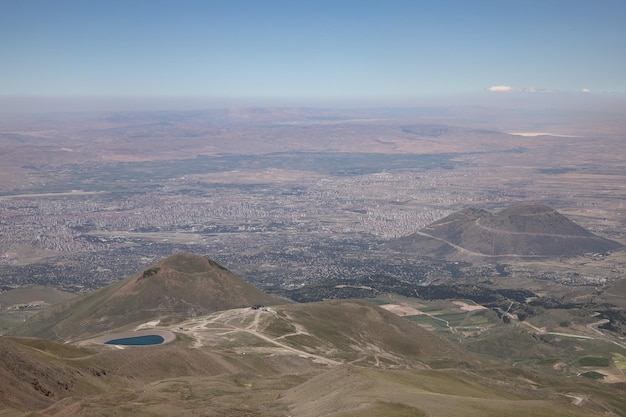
146, 340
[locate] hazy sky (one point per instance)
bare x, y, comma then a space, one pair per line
314, 49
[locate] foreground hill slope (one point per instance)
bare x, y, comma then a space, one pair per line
333, 358
523, 230
230, 357
179, 286
269, 362
350, 391
36, 373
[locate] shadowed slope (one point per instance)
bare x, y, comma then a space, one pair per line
523, 230
36, 373
179, 286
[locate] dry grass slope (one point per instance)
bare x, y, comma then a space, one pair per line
359, 332
354, 391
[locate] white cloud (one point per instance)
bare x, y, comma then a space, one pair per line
586, 90
509, 89
503, 89
538, 90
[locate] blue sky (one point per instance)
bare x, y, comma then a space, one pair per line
311, 50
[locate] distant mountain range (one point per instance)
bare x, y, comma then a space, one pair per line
521, 231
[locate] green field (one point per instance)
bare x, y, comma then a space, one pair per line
428, 321
594, 360
619, 361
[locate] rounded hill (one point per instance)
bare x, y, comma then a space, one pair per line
177, 287
532, 219
523, 230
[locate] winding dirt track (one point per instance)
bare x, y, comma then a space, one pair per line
463, 250
208, 329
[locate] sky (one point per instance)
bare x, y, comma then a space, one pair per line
391, 51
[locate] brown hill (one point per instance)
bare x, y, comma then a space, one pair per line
523, 230
179, 286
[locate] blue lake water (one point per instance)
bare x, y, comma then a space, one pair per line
151, 339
